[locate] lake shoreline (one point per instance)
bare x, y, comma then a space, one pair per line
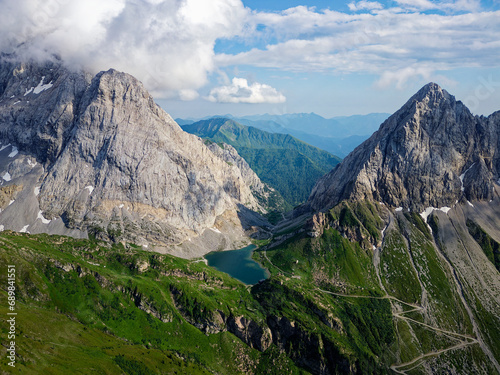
239, 264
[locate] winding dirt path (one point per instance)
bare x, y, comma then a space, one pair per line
465, 340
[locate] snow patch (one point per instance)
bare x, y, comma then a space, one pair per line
383, 230
216, 230
25, 229
31, 164
11, 202
463, 175
28, 91
470, 204
41, 87
374, 247
37, 191
90, 189
121, 206
2, 228
17, 102
399, 209
44, 220
7, 176
4, 147
426, 213
14, 152
429, 210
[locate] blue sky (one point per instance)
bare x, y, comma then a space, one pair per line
333, 58
394, 49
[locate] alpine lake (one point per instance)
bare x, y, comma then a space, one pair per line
238, 264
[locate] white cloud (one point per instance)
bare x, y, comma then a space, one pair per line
394, 45
417, 4
188, 94
458, 5
364, 5
239, 91
167, 44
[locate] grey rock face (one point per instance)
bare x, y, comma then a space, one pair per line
263, 192
113, 161
38, 104
229, 154
430, 153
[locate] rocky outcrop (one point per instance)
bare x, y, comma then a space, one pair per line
431, 153
311, 351
316, 225
113, 163
38, 105
255, 335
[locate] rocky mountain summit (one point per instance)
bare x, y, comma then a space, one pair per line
433, 152
97, 155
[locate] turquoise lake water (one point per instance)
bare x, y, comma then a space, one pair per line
238, 264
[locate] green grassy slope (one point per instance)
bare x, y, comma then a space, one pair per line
328, 307
412, 283
287, 164
88, 308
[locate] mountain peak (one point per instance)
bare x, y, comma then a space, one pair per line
432, 95
110, 162
420, 157
431, 87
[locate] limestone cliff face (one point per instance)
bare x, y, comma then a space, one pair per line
113, 161
430, 153
38, 105
267, 196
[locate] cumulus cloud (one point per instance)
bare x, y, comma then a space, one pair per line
364, 5
400, 77
168, 44
392, 43
458, 5
239, 91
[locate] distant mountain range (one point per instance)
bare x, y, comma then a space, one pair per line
289, 165
337, 135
